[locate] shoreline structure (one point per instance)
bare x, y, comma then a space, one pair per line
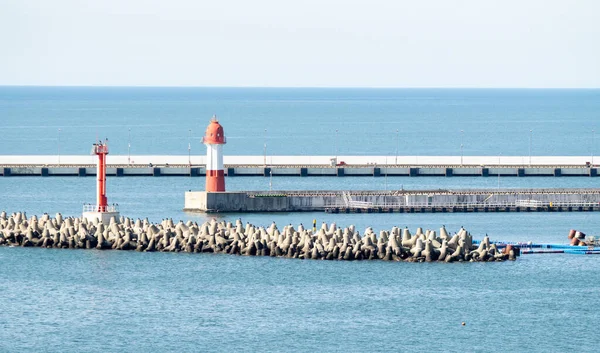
303, 166
326, 243
396, 201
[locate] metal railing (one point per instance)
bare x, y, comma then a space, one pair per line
349, 203
360, 204
96, 208
347, 198
318, 166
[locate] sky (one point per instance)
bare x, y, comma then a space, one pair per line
302, 43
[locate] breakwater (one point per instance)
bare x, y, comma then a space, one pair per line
406, 201
327, 243
83, 170
304, 166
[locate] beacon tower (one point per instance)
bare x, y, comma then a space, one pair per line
101, 210
214, 139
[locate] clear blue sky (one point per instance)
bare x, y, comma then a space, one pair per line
314, 43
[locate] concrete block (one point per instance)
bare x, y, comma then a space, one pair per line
104, 217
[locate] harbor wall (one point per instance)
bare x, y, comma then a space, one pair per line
199, 158
201, 201
299, 201
280, 170
378, 166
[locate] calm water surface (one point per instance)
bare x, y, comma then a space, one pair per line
302, 121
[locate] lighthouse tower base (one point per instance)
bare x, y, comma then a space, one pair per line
91, 213
103, 217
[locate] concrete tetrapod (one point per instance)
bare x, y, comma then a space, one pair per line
327, 243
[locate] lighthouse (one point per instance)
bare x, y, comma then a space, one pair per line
214, 139
101, 210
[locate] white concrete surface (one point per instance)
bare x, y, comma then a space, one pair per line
103, 217
40, 160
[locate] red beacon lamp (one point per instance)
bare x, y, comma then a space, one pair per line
101, 211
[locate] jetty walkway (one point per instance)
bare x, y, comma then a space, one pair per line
398, 201
378, 166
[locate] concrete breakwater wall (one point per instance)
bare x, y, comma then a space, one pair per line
303, 166
490, 199
83, 170
328, 243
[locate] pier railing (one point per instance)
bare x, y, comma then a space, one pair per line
403, 192
96, 208
178, 164
520, 203
348, 202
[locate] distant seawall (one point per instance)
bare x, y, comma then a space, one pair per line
405, 201
304, 166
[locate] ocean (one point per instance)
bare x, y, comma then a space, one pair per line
95, 301
302, 121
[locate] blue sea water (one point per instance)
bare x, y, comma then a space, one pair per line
301, 121
75, 300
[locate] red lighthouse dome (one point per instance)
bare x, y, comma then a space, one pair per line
214, 133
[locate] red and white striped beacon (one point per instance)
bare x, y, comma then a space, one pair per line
214, 139
102, 211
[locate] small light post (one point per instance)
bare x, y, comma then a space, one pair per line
499, 170
530, 139
265, 150
593, 141
461, 146
59, 147
386, 168
190, 147
129, 146
397, 145
336, 146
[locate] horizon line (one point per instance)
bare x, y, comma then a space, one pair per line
312, 87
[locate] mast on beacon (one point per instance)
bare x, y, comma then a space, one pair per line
101, 210
214, 139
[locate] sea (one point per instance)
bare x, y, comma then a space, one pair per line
110, 301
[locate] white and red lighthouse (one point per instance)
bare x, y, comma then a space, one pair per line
101, 210
214, 139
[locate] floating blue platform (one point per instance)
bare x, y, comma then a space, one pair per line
541, 248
